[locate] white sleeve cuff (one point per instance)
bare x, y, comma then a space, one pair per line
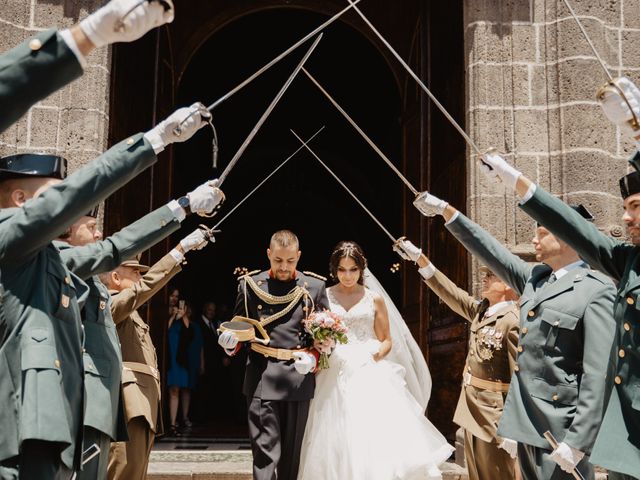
177, 210
428, 271
178, 257
67, 36
154, 138
453, 218
529, 194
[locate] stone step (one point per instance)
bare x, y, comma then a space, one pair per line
235, 465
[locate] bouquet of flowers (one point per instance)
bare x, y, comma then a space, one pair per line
326, 330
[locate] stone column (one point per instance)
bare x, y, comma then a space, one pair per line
73, 121
531, 86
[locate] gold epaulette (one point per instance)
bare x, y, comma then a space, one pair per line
315, 275
243, 272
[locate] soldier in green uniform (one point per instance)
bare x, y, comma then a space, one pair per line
566, 336
490, 363
42, 338
104, 417
617, 447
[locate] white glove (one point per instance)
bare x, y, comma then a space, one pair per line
205, 198
509, 446
180, 126
196, 240
407, 250
496, 168
304, 362
566, 457
117, 22
429, 205
616, 108
229, 341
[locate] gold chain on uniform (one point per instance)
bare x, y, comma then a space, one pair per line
292, 298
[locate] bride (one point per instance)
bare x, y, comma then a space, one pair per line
366, 421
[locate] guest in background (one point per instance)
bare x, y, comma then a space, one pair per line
174, 296
186, 363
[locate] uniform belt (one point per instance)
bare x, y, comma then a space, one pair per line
277, 353
142, 368
469, 379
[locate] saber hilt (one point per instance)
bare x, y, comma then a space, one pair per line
554, 444
119, 25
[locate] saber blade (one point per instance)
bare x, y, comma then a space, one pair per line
268, 111
304, 144
455, 124
373, 217
361, 132
244, 83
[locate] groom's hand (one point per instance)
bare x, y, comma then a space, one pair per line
304, 362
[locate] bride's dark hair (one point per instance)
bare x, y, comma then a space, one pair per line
347, 249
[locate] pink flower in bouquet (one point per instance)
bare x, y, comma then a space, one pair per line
327, 331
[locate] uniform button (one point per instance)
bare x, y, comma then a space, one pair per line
84, 350
163, 223
520, 349
555, 397
259, 307
130, 141
56, 363
556, 323
259, 282
297, 346
525, 330
618, 379
471, 352
67, 280
621, 353
35, 44
531, 313
627, 326
630, 300
516, 368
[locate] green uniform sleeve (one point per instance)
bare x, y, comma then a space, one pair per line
107, 254
29, 74
25, 231
456, 298
509, 267
598, 250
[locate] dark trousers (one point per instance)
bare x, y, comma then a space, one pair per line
276, 429
535, 464
41, 460
485, 461
96, 468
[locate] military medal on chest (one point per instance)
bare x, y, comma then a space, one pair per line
488, 340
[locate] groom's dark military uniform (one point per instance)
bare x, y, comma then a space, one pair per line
277, 395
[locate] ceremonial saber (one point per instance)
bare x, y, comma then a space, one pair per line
554, 444
361, 132
417, 79
304, 145
268, 111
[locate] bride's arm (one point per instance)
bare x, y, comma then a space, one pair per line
381, 327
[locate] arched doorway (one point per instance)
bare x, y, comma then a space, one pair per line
208, 50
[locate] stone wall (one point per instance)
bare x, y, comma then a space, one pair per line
531, 84
73, 121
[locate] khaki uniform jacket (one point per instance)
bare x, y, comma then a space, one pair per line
566, 335
32, 71
618, 444
41, 397
493, 341
141, 391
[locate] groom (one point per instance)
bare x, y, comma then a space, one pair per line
279, 382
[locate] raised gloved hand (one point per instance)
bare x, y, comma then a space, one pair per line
429, 205
228, 340
509, 446
180, 126
566, 457
617, 109
196, 240
304, 362
496, 168
123, 21
407, 250
205, 198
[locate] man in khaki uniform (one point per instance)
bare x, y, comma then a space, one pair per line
491, 359
140, 375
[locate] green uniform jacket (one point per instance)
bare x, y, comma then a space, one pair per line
32, 71
566, 336
41, 338
102, 357
618, 444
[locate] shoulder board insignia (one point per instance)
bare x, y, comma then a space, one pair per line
315, 275
243, 272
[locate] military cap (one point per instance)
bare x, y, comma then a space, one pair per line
135, 263
583, 211
630, 184
33, 165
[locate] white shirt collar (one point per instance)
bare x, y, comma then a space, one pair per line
561, 272
207, 322
498, 306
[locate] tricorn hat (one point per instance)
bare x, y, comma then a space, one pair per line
93, 212
583, 211
33, 165
630, 184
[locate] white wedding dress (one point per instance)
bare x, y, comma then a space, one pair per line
364, 424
